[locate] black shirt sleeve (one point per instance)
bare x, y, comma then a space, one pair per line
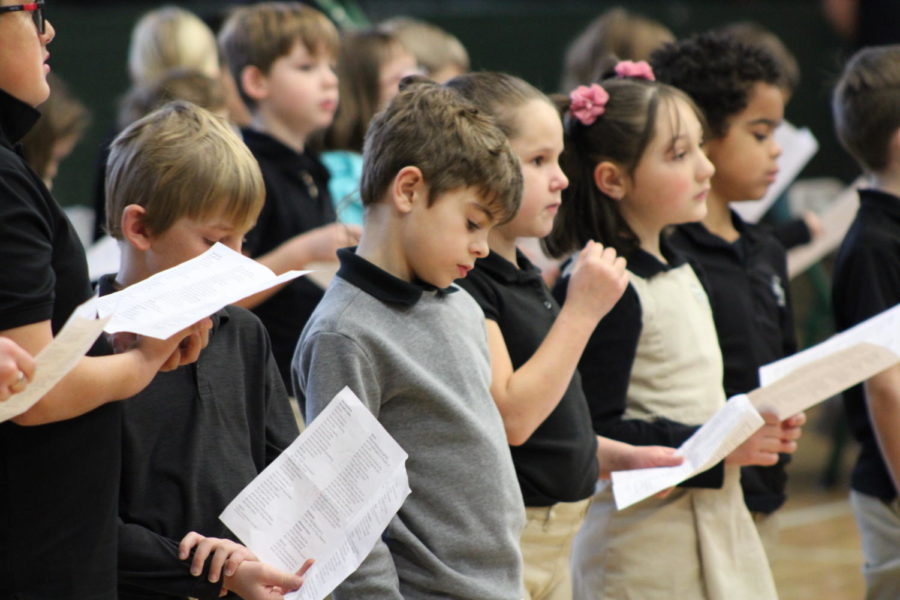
605, 369
792, 233
149, 562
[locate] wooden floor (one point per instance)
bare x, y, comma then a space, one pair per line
818, 555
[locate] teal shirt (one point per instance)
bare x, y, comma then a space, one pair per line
345, 168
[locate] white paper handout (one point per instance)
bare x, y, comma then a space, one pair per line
171, 300
328, 496
57, 358
715, 440
790, 386
798, 147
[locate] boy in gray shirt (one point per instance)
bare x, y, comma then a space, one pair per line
437, 176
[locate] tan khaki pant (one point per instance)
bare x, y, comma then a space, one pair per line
546, 547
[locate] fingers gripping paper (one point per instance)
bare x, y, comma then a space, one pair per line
329, 496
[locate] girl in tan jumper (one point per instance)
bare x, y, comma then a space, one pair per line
652, 371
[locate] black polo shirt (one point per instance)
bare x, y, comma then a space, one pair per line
558, 463
297, 200
748, 290
606, 363
58, 482
866, 282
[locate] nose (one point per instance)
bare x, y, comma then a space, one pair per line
560, 181
49, 32
479, 247
705, 169
776, 148
331, 78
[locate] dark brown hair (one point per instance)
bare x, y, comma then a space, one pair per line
621, 135
454, 144
866, 105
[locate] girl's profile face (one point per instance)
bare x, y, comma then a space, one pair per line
23, 72
538, 145
671, 181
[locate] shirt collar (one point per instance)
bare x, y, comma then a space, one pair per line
16, 118
503, 270
263, 144
700, 235
377, 282
643, 264
880, 200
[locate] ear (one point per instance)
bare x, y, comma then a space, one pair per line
611, 179
408, 189
134, 229
254, 82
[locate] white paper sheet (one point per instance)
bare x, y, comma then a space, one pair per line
798, 147
715, 440
58, 358
329, 496
103, 257
836, 220
882, 330
790, 386
171, 300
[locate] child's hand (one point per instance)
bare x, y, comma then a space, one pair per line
619, 456
183, 348
261, 581
763, 447
322, 243
225, 553
597, 282
16, 368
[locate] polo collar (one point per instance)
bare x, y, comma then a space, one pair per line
380, 284
16, 118
643, 264
700, 235
880, 200
503, 270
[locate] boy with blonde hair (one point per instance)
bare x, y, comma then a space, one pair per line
437, 176
866, 281
178, 181
282, 56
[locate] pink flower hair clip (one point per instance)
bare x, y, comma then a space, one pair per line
588, 103
636, 70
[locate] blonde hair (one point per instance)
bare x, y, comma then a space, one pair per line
168, 38
626, 35
434, 48
177, 84
260, 34
182, 161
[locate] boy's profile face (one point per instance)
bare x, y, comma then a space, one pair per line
441, 242
188, 238
302, 91
23, 72
746, 157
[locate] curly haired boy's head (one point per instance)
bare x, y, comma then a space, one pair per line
717, 73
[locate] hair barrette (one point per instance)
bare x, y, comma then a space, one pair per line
635, 70
588, 103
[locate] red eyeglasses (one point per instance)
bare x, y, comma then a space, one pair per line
37, 13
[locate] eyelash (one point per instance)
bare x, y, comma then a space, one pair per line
472, 225
537, 161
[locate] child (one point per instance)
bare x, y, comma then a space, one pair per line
58, 477
370, 66
282, 57
438, 175
738, 88
438, 53
652, 370
867, 281
535, 347
178, 181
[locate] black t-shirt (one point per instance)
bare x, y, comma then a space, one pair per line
748, 290
58, 482
558, 463
866, 282
297, 200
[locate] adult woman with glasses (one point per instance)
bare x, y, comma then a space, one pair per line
59, 461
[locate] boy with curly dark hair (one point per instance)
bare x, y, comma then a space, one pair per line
739, 89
